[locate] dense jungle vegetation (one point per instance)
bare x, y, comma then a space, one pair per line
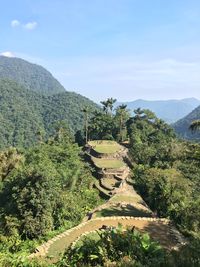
32, 101
25, 114
43, 190
46, 188
31, 76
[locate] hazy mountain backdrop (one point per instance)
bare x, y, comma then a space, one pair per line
182, 126
168, 110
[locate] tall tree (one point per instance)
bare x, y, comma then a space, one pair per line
108, 105
105, 106
111, 102
122, 115
86, 113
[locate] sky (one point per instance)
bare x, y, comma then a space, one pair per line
126, 49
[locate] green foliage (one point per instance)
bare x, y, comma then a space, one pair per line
47, 191
150, 138
31, 76
109, 125
101, 126
27, 117
113, 246
166, 191
166, 171
32, 197
9, 159
187, 256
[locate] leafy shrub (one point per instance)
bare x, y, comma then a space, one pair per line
115, 245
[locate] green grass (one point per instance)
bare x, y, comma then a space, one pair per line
126, 198
105, 146
108, 163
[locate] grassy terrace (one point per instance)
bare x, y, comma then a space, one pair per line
127, 198
108, 163
105, 146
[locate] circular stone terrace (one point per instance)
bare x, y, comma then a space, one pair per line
105, 146
107, 155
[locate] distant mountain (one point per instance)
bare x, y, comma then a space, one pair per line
168, 110
32, 100
182, 126
23, 113
31, 76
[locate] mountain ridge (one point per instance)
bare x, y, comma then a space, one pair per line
182, 126
32, 101
32, 76
169, 110
23, 113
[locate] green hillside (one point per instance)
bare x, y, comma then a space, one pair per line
31, 76
23, 113
182, 126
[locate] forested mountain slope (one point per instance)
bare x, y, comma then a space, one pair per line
31, 76
182, 126
24, 113
168, 110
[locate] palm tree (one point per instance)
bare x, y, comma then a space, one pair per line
121, 110
111, 102
195, 126
108, 105
105, 106
86, 111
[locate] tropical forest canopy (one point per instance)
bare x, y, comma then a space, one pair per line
31, 76
25, 114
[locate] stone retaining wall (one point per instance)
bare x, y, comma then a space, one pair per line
42, 250
120, 154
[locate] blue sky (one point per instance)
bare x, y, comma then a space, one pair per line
126, 49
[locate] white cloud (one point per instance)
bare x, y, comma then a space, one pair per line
15, 23
7, 54
30, 25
